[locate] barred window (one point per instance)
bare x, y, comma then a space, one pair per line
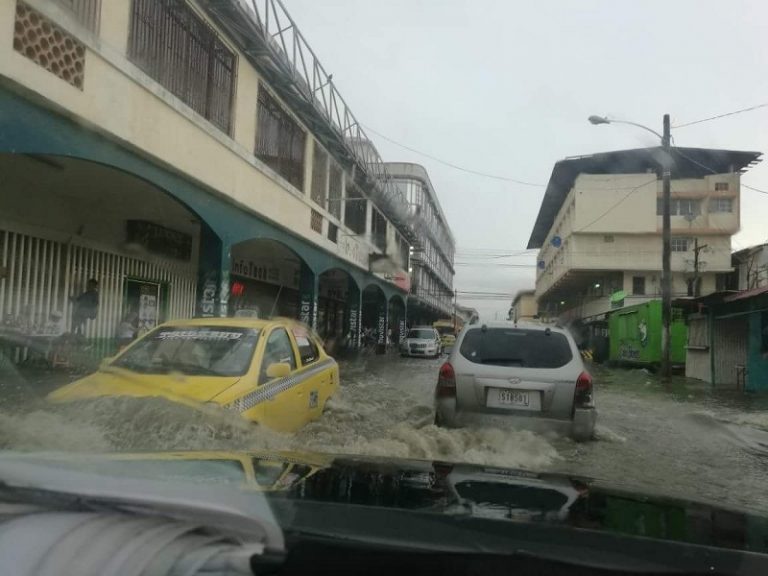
354, 210
319, 176
176, 47
721, 204
280, 141
335, 182
378, 229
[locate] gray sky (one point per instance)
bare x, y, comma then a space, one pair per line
505, 87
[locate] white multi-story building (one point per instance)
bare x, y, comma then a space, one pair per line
194, 158
599, 228
432, 254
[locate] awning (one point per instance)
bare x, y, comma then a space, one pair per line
618, 296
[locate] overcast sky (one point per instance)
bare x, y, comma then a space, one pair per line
505, 87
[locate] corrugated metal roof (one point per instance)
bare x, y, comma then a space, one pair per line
688, 163
744, 294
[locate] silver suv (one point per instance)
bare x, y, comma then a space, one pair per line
532, 373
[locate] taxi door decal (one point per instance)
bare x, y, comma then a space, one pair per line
272, 389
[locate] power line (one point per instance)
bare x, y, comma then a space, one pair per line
755, 189
451, 164
494, 265
722, 115
616, 204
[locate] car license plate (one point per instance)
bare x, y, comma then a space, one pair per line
514, 398
510, 399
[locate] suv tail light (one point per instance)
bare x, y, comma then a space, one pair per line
446, 382
582, 397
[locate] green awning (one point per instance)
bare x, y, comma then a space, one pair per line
618, 296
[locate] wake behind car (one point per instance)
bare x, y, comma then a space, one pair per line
274, 372
532, 373
421, 341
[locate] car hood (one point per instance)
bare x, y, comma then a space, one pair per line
419, 341
324, 484
119, 382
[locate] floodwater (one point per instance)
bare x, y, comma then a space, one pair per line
679, 440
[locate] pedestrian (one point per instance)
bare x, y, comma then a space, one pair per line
86, 307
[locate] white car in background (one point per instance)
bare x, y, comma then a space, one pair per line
422, 341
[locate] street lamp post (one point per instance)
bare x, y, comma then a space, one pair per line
666, 236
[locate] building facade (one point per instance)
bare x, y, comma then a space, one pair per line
751, 268
524, 306
194, 158
599, 229
432, 253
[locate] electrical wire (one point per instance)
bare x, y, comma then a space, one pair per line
722, 115
616, 204
451, 164
755, 189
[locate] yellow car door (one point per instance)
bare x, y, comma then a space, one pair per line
315, 372
284, 409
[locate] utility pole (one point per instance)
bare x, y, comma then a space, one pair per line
666, 252
696, 250
455, 292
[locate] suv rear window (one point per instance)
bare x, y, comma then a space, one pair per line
516, 347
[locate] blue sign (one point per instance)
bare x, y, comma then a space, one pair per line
556, 241
541, 265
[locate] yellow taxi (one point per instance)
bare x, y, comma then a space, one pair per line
274, 372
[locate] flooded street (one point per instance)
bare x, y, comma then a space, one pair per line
679, 440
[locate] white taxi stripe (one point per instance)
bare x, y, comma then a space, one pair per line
272, 389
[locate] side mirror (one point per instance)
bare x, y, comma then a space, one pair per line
106, 362
278, 370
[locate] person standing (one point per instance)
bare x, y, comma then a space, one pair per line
86, 307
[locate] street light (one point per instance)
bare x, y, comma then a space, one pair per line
605, 120
666, 250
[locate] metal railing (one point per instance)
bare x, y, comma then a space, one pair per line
290, 51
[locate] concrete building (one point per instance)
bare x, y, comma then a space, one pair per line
751, 267
466, 314
524, 306
195, 159
728, 339
433, 251
598, 230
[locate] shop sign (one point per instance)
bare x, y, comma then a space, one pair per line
260, 271
305, 308
350, 248
353, 327
401, 329
208, 297
382, 327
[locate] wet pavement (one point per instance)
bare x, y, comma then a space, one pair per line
680, 439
